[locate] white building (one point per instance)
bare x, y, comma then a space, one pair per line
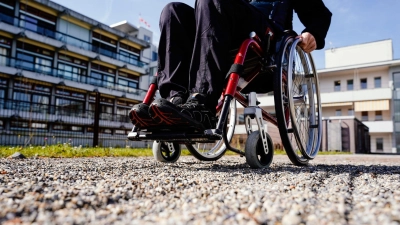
363, 81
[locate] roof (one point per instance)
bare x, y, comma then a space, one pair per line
395, 62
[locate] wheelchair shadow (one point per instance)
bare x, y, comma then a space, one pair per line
332, 169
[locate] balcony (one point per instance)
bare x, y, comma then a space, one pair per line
64, 38
67, 75
70, 114
379, 126
357, 95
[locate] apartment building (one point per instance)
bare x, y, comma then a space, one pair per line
57, 64
363, 81
360, 95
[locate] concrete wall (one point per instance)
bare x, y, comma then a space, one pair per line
359, 54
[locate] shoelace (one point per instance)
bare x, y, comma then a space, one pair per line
191, 105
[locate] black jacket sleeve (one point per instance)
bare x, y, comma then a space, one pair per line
315, 17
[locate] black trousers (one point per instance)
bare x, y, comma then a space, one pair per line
195, 44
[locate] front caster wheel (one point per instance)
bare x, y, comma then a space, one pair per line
254, 151
167, 152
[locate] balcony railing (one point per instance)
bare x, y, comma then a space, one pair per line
6, 18
55, 72
68, 39
44, 110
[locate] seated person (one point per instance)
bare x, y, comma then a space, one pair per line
194, 52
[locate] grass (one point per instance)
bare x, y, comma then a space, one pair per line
67, 151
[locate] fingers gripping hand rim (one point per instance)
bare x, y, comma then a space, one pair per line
307, 42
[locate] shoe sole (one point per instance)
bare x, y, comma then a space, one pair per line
140, 117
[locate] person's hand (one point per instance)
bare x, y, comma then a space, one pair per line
308, 43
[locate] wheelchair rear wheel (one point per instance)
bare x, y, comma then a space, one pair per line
297, 103
212, 151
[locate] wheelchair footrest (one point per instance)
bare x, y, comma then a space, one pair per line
174, 136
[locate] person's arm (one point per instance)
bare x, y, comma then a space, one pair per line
316, 18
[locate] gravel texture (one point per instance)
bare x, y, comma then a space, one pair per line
344, 189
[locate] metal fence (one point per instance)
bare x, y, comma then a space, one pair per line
26, 123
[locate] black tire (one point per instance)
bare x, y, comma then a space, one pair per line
282, 108
215, 150
166, 152
254, 151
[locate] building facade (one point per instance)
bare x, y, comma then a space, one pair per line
60, 69
363, 81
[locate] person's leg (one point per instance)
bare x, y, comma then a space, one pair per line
177, 26
221, 25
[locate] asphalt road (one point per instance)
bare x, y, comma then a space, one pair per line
342, 189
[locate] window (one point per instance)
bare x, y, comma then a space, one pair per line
120, 132
40, 103
104, 49
396, 80
101, 80
2, 98
68, 107
377, 82
129, 58
122, 114
363, 83
350, 85
106, 112
241, 119
70, 93
338, 112
63, 127
10, 3
379, 144
350, 112
3, 56
38, 13
21, 101
105, 131
127, 85
43, 65
39, 125
147, 38
6, 15
69, 72
33, 62
378, 115
129, 48
337, 85
25, 61
37, 25
154, 56
364, 116
104, 38
73, 34
19, 124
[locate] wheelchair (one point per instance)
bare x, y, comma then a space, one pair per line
297, 107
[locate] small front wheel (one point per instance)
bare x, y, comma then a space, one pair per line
254, 151
167, 152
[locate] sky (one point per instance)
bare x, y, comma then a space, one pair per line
353, 21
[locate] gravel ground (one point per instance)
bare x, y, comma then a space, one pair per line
345, 189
